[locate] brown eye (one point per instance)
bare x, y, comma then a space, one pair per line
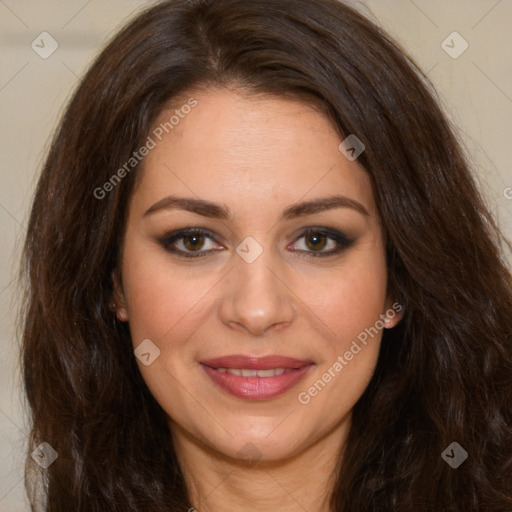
189, 243
193, 242
315, 241
322, 242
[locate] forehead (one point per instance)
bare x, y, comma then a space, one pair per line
233, 147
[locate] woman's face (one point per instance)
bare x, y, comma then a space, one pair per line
253, 174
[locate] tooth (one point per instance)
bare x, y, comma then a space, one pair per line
249, 373
245, 372
266, 373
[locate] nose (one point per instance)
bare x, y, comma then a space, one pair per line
257, 298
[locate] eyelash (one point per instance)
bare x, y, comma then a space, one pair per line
168, 239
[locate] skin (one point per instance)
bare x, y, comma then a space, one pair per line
257, 155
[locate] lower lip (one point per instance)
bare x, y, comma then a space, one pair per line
257, 388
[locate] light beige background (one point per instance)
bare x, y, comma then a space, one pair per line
475, 89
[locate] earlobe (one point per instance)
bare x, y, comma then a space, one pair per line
118, 304
393, 314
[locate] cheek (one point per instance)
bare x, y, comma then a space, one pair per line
160, 299
352, 311
352, 300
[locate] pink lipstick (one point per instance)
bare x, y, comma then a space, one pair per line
256, 378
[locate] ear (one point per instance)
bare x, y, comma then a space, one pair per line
393, 313
118, 299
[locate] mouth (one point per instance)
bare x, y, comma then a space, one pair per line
256, 378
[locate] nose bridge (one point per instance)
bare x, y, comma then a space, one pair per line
256, 299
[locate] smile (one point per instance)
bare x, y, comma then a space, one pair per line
256, 378
243, 372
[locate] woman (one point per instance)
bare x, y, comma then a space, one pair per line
259, 274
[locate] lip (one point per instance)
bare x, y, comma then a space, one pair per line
256, 388
255, 363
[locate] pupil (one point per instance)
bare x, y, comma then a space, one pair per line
318, 238
196, 241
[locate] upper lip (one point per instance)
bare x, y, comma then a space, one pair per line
255, 363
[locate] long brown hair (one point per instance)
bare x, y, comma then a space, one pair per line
444, 374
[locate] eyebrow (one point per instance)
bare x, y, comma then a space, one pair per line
219, 211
